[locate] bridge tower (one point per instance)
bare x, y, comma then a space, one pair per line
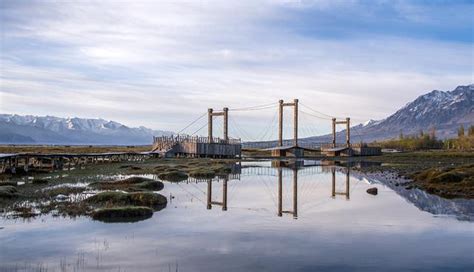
347, 122
294, 211
282, 104
222, 203
225, 114
346, 193
280, 150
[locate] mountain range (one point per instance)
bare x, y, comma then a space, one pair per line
28, 129
443, 111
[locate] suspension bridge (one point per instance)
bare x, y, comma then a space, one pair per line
189, 141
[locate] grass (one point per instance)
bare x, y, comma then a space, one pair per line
202, 173
436, 172
114, 199
449, 182
130, 184
122, 214
64, 190
8, 183
74, 149
8, 191
173, 176
39, 181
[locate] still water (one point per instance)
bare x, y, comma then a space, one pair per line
261, 218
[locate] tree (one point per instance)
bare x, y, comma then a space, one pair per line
433, 133
471, 131
461, 131
401, 135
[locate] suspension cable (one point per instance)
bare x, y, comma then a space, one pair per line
199, 129
257, 107
192, 123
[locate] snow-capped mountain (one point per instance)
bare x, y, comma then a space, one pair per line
439, 110
55, 130
444, 111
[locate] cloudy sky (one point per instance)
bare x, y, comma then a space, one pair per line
161, 64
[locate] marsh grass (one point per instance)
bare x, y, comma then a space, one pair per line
122, 214
114, 199
449, 182
131, 184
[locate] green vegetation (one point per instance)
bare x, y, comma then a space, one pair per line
8, 183
130, 184
40, 181
173, 176
413, 165
414, 143
122, 214
463, 142
41, 194
8, 191
113, 199
202, 173
429, 141
63, 190
74, 149
449, 182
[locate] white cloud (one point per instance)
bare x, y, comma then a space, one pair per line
161, 65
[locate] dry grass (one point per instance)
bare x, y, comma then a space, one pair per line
73, 149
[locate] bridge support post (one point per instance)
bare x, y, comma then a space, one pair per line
333, 132
280, 192
348, 132
348, 173
224, 194
280, 123
295, 122
209, 125
209, 194
333, 174
295, 193
226, 124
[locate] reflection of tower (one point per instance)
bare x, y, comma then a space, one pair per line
294, 212
334, 193
224, 195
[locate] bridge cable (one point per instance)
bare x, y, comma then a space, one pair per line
192, 123
200, 129
257, 107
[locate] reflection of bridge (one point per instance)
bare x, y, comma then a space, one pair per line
29, 162
190, 145
220, 196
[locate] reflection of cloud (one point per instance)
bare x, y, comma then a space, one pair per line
160, 64
365, 232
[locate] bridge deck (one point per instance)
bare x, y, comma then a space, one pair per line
289, 147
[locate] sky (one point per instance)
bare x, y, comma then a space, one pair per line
161, 64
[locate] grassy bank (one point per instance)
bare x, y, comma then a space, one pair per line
445, 173
70, 149
117, 189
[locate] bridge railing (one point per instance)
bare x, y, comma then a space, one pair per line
166, 140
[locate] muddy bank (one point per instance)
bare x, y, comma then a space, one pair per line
462, 209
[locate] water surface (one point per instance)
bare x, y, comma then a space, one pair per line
259, 222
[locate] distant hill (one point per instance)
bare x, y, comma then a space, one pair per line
17, 129
444, 111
